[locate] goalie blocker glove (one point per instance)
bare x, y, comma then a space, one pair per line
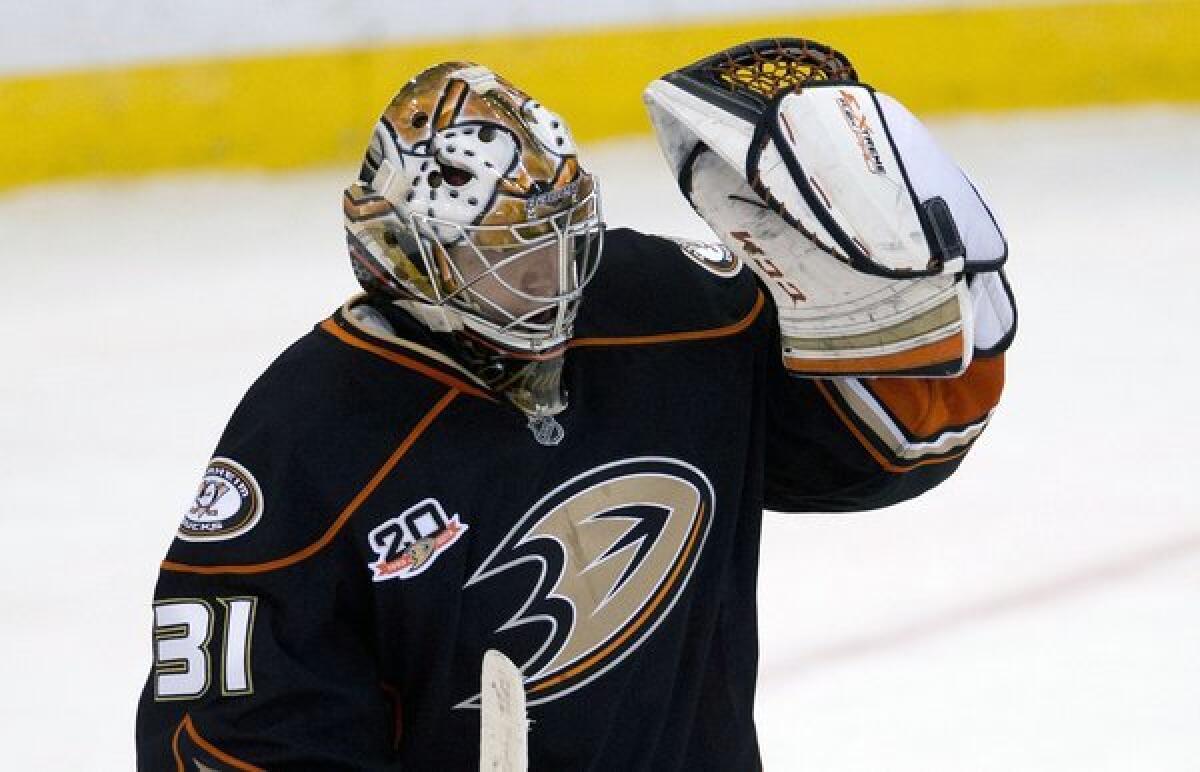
881, 255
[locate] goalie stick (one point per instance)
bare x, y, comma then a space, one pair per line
503, 740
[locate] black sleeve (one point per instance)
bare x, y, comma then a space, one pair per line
262, 641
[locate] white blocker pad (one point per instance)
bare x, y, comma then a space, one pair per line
864, 178
863, 226
994, 310
835, 319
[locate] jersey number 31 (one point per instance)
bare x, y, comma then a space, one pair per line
183, 629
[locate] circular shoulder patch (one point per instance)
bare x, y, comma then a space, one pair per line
714, 258
227, 504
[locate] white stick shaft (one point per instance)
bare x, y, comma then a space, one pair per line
503, 742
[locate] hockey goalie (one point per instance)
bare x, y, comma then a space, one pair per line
502, 509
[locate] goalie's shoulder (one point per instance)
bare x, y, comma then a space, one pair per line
300, 448
650, 285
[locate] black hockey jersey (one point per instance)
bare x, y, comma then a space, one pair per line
374, 519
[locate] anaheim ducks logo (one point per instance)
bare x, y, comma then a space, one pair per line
227, 503
616, 547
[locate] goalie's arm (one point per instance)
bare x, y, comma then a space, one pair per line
262, 641
853, 444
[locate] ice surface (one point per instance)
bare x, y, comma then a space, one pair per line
1040, 611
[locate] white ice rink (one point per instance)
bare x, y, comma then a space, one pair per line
1040, 611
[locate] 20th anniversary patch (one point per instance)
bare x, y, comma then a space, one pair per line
228, 503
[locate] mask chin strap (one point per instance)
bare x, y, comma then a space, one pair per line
533, 386
536, 387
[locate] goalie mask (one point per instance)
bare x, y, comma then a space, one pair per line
472, 213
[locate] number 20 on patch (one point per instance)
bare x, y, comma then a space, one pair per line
183, 630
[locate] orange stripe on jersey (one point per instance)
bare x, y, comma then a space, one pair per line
332, 327
882, 460
676, 337
927, 406
342, 519
186, 725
